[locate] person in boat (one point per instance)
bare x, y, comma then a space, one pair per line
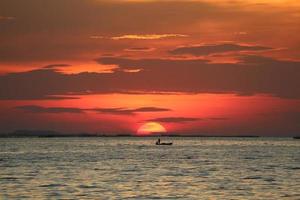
158, 141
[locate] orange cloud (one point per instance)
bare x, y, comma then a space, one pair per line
139, 37
143, 49
147, 36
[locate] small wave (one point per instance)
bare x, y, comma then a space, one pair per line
293, 168
254, 169
53, 185
186, 157
87, 186
270, 166
213, 169
290, 195
125, 171
252, 177
9, 178
270, 179
203, 174
250, 158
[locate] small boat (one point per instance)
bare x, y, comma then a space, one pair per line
164, 143
297, 137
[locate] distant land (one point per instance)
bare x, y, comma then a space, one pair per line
49, 133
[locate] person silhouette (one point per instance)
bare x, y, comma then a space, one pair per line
158, 141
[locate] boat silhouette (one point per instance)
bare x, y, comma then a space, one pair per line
163, 143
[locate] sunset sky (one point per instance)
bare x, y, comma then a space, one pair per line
205, 67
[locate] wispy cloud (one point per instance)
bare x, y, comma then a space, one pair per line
139, 36
40, 109
174, 119
184, 119
241, 33
143, 49
208, 49
124, 111
112, 111
53, 66
97, 37
147, 36
151, 109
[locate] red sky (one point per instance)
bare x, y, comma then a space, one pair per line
109, 66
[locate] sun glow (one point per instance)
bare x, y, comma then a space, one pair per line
150, 128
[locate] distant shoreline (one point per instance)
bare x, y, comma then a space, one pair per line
54, 134
136, 136
87, 136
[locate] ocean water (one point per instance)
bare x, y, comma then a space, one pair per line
134, 168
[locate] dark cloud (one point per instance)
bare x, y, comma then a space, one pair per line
216, 48
35, 84
124, 111
252, 75
174, 119
151, 109
40, 109
56, 66
113, 111
185, 119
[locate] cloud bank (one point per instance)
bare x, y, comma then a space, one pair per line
251, 75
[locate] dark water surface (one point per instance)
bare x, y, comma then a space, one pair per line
134, 168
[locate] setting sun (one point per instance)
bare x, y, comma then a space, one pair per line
151, 127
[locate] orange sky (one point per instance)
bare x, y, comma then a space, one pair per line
196, 67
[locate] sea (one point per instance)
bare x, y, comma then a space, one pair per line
136, 168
